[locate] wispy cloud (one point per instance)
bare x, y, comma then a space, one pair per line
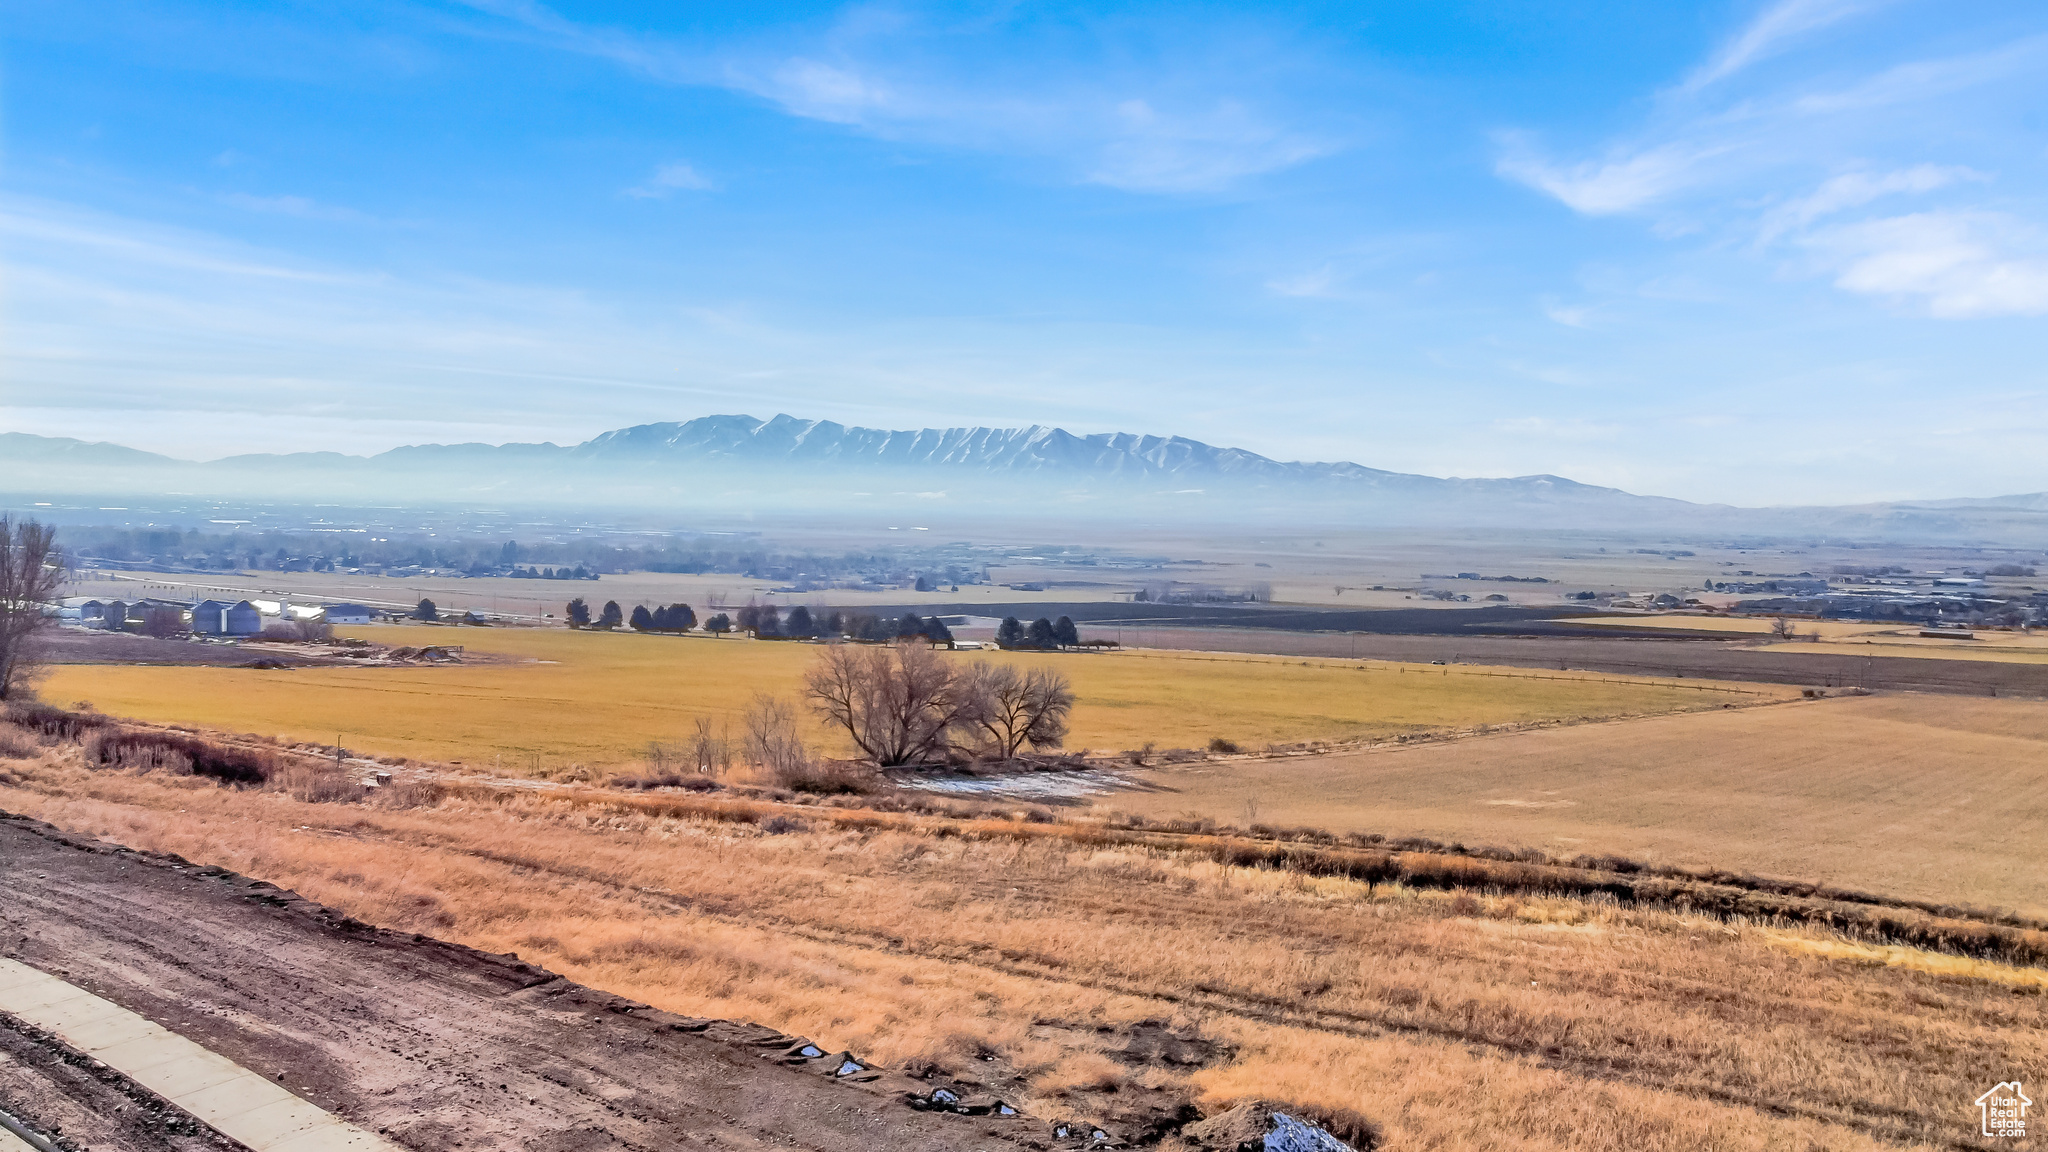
1953, 264
1313, 284
1196, 125
670, 179
299, 206
1552, 428
1923, 79
1571, 316
1747, 167
1620, 182
1769, 33
1855, 189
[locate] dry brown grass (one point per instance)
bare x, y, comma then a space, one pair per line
1460, 1020
1937, 797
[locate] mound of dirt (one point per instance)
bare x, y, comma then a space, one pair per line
1260, 1126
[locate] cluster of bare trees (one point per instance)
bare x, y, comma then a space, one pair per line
908, 705
30, 571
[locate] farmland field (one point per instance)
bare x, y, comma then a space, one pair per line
1936, 797
1862, 637
556, 696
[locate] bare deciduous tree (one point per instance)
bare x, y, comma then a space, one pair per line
711, 750
896, 704
1008, 708
1783, 628
30, 571
163, 623
773, 741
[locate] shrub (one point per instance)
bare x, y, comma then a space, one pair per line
826, 779
1223, 747
405, 794
309, 784
16, 745
53, 723
168, 752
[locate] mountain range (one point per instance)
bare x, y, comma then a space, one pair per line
727, 464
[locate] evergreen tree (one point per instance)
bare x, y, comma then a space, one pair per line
768, 622
1041, 634
426, 611
834, 624
799, 623
924, 584
935, 630
718, 625
681, 617
611, 617
579, 613
643, 621
509, 554
749, 618
1010, 634
910, 625
1065, 633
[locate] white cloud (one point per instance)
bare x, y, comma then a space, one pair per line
1925, 79
1855, 189
668, 179
820, 91
1768, 33
1956, 265
1199, 150
1621, 183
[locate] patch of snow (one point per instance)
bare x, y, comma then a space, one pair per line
1022, 786
1290, 1135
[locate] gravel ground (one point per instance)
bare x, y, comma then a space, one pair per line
434, 1045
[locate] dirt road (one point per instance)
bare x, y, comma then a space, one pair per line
434, 1045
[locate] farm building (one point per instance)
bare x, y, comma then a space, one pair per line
347, 614
209, 618
220, 618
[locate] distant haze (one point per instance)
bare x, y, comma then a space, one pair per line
717, 466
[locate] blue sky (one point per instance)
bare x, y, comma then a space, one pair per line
1758, 253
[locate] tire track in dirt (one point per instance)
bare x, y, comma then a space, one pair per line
1869, 1117
440, 1043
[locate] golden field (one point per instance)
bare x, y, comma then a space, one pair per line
1466, 1021
1936, 797
554, 697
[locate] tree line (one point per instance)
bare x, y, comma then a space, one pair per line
767, 622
